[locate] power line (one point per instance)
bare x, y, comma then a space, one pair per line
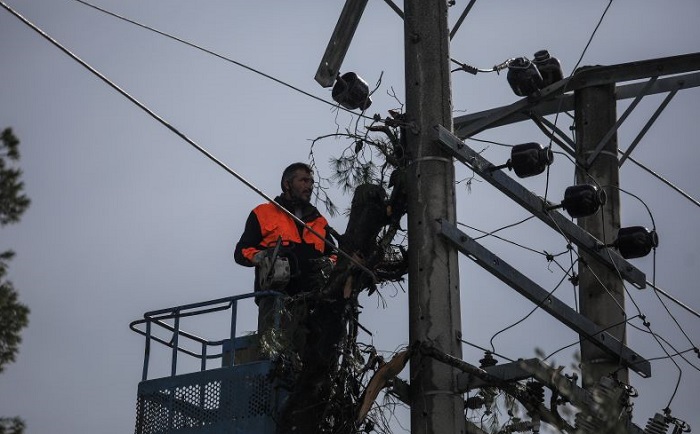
544, 300
492, 233
182, 136
228, 59
561, 101
668, 356
651, 216
667, 295
664, 180
485, 350
669, 312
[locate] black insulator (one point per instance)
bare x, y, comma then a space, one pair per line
583, 200
549, 67
536, 390
351, 92
520, 426
488, 360
474, 402
530, 159
635, 241
523, 77
656, 425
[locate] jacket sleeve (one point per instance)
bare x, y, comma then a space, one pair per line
249, 244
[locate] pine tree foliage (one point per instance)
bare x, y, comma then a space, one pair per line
14, 316
13, 202
11, 425
371, 168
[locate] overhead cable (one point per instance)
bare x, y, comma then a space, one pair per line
678, 302
561, 101
183, 136
537, 307
664, 180
228, 59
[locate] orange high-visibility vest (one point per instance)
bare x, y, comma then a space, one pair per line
275, 223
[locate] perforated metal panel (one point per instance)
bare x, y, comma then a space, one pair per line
239, 399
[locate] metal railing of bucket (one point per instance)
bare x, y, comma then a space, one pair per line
175, 314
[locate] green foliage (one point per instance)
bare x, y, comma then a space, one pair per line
11, 425
14, 316
13, 202
367, 158
349, 172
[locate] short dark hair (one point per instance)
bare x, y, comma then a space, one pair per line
289, 172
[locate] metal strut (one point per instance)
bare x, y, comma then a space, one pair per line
536, 206
550, 304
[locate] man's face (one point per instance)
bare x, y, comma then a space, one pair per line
301, 186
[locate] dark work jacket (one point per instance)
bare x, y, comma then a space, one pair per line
266, 223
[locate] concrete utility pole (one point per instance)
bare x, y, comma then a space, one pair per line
601, 294
434, 306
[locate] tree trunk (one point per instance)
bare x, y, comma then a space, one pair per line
309, 405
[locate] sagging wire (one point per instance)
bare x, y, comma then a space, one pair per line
578, 342
512, 225
227, 59
667, 356
544, 300
647, 325
573, 70
680, 370
657, 339
184, 137
551, 257
613, 297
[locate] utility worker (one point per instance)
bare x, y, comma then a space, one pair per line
310, 257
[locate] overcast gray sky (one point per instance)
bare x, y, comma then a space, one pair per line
126, 217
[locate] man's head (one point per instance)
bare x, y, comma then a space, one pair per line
297, 182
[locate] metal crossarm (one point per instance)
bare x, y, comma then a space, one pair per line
537, 207
340, 42
553, 100
550, 304
621, 119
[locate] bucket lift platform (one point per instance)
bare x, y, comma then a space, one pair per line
238, 396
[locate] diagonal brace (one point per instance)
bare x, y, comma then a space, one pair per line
586, 328
568, 145
613, 130
537, 207
648, 125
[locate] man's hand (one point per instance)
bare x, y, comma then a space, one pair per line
258, 257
